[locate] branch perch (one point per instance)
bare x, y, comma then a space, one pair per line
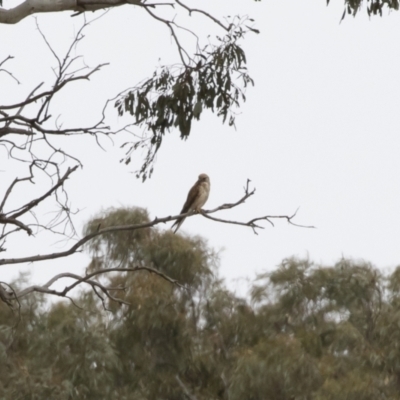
156, 221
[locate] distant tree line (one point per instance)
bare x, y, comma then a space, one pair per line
305, 332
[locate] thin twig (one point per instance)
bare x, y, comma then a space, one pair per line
191, 10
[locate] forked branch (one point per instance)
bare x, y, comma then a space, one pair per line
90, 281
12, 217
156, 221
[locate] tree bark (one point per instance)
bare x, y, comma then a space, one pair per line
29, 7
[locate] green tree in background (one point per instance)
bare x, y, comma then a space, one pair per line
308, 331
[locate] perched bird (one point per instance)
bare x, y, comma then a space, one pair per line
196, 198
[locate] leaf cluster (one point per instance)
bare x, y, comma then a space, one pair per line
215, 79
374, 7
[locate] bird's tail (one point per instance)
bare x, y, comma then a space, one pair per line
178, 224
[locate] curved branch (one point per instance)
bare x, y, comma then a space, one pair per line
227, 206
13, 221
6, 71
191, 10
54, 90
12, 217
6, 297
30, 7
77, 246
156, 221
170, 24
27, 207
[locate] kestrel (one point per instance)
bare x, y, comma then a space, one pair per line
196, 198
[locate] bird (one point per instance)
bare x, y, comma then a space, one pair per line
196, 198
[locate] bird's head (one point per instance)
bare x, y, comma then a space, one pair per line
204, 178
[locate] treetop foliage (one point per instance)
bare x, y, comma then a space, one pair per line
308, 331
170, 254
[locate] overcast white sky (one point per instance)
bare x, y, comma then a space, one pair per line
320, 131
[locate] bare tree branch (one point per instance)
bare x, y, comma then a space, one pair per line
156, 221
45, 289
9, 190
170, 25
29, 136
30, 7
252, 223
191, 10
26, 207
63, 217
12, 221
53, 91
6, 71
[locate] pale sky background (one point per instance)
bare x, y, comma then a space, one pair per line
320, 131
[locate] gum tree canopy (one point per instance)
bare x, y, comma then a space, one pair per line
310, 332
